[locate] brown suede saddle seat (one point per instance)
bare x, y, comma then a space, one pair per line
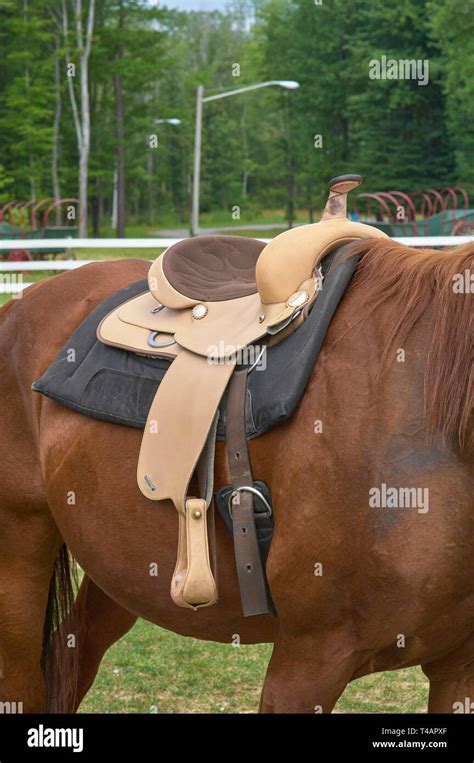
209, 300
213, 268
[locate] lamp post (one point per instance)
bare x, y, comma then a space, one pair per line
285, 84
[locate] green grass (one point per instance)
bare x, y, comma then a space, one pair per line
249, 217
117, 254
214, 219
155, 671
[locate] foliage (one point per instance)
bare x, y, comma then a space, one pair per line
260, 147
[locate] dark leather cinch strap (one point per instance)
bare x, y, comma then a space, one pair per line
253, 589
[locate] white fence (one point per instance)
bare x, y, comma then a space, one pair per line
14, 285
89, 243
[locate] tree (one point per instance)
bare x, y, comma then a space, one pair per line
25, 96
452, 33
137, 63
81, 117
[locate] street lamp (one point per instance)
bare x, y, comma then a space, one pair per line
285, 84
172, 121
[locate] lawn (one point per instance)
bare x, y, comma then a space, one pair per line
154, 671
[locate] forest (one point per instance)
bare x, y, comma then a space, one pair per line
87, 87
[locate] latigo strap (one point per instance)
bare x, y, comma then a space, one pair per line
253, 588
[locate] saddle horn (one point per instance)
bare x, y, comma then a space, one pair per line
339, 187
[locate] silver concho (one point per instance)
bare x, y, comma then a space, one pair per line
298, 299
199, 311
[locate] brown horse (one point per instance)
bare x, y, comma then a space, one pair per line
371, 566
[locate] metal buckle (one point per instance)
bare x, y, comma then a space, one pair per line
153, 343
254, 491
272, 330
257, 361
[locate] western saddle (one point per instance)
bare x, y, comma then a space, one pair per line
211, 299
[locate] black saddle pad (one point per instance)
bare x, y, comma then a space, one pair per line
118, 386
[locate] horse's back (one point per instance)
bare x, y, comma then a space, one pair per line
35, 326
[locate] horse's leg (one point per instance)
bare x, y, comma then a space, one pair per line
452, 681
98, 622
307, 674
453, 695
27, 552
22, 609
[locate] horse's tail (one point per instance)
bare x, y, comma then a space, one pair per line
60, 657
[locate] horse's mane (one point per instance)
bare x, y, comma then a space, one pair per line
413, 280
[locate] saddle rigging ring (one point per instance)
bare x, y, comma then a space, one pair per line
254, 491
153, 343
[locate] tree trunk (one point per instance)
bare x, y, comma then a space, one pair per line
56, 125
245, 174
95, 209
120, 132
82, 121
309, 192
85, 112
113, 210
290, 166
83, 191
27, 87
32, 180
119, 116
150, 188
184, 195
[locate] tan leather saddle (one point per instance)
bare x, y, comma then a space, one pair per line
211, 300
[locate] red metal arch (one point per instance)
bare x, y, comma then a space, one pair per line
380, 201
20, 207
463, 228
460, 193
426, 206
55, 205
450, 194
36, 209
411, 207
438, 200
6, 208
28, 206
465, 196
